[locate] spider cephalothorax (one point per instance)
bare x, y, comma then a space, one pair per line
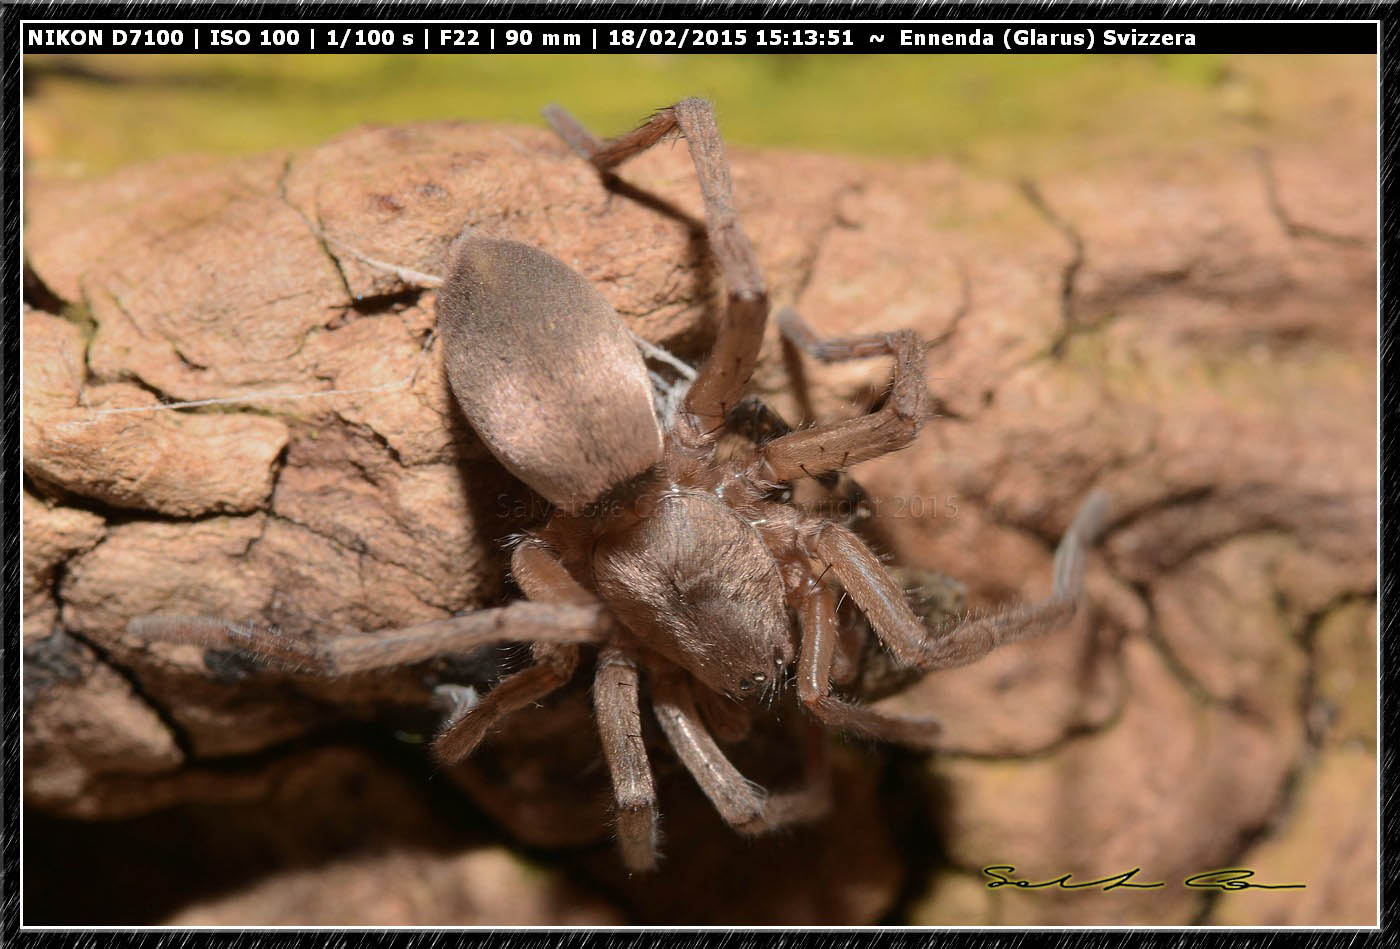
683, 565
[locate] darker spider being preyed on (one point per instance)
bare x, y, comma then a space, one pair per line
686, 574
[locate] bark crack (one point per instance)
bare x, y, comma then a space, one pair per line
1069, 274
834, 220
178, 734
1289, 791
1292, 226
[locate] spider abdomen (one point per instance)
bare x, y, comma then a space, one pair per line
545, 371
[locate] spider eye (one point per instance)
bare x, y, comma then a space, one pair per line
747, 685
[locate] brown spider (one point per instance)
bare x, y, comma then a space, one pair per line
683, 567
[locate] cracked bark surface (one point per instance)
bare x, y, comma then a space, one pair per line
1195, 348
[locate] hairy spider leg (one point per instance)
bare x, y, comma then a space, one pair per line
557, 623
544, 580
884, 603
541, 575
817, 615
744, 805
618, 709
731, 361
838, 445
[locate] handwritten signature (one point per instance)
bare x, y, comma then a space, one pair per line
1227, 879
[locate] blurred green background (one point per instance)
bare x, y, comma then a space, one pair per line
85, 115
